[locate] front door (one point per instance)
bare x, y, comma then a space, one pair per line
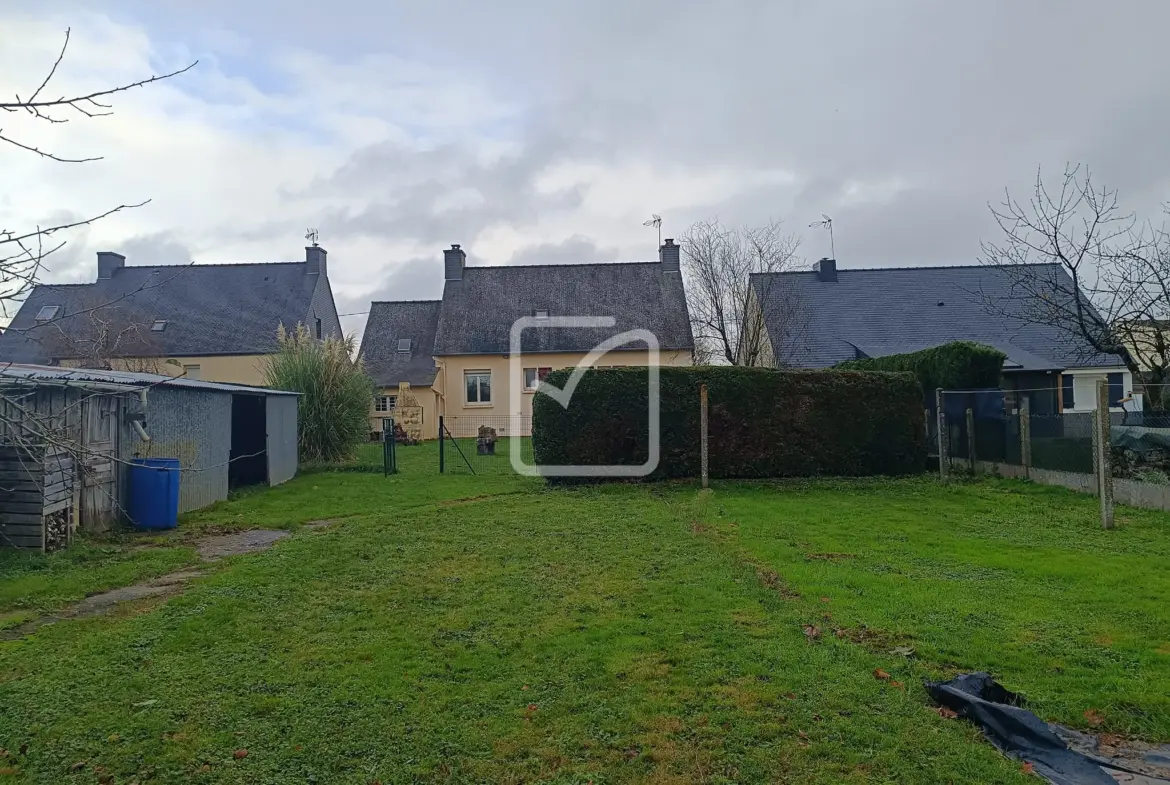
98, 476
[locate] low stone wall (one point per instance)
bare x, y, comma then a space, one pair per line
1147, 495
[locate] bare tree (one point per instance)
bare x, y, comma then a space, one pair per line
23, 251
1080, 264
727, 310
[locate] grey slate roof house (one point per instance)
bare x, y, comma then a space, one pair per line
214, 319
820, 317
458, 346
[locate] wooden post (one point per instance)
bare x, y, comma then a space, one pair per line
1026, 434
1104, 456
703, 429
971, 440
942, 430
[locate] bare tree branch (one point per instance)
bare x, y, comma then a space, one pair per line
1080, 264
719, 264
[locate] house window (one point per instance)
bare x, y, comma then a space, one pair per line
385, 403
320, 332
534, 376
192, 372
404, 344
48, 313
1066, 386
478, 385
1116, 388
541, 313
158, 326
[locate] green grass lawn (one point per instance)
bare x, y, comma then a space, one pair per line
488, 629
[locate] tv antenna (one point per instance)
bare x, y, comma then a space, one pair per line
827, 223
655, 221
312, 235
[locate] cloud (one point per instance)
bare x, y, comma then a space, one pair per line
574, 250
537, 132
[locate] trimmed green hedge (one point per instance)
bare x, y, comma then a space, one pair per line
762, 422
960, 365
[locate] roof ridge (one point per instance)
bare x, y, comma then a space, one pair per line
562, 264
402, 302
205, 264
915, 267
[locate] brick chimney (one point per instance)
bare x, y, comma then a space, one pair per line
108, 261
668, 256
826, 269
315, 261
454, 260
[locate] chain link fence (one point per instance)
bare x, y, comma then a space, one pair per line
480, 444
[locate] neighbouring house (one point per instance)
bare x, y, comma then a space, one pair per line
828, 315
454, 353
69, 435
202, 321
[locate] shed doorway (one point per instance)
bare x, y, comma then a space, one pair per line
249, 450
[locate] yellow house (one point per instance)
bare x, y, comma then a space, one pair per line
455, 353
214, 322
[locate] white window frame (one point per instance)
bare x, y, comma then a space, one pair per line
192, 372
478, 387
385, 403
537, 377
48, 313
541, 313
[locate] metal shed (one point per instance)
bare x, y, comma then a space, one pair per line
224, 435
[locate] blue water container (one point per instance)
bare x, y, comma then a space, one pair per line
154, 493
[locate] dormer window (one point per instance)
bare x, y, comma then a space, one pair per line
158, 325
541, 313
48, 313
404, 344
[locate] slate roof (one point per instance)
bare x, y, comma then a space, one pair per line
478, 311
876, 312
209, 308
389, 322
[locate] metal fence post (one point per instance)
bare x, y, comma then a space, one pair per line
1104, 455
442, 431
1026, 435
942, 429
703, 429
971, 440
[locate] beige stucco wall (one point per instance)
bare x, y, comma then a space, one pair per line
426, 398
451, 370
447, 395
230, 368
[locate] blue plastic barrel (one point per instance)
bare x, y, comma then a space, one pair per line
154, 493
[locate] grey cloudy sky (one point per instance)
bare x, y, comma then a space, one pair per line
537, 131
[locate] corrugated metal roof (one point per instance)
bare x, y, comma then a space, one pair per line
52, 373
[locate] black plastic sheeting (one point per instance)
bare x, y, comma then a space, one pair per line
1021, 734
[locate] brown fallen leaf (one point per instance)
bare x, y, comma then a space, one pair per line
812, 632
790, 696
897, 684
1094, 717
840, 633
946, 712
206, 767
106, 779
524, 687
802, 734
824, 599
880, 674
532, 707
817, 718
1027, 768
78, 766
240, 754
